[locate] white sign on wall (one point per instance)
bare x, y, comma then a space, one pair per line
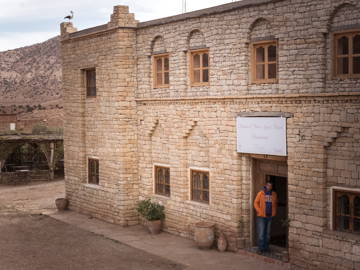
261, 135
12, 126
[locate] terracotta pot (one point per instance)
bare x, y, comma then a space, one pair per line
204, 235
221, 242
154, 226
61, 204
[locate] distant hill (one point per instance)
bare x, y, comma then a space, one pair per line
31, 75
30, 83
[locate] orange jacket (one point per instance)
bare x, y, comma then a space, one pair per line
259, 204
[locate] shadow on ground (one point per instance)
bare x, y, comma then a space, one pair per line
38, 242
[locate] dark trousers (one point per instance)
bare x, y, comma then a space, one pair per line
263, 226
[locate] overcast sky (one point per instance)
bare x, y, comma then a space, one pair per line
25, 22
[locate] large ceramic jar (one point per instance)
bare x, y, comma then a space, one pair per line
204, 235
61, 204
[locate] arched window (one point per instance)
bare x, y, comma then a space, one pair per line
264, 63
199, 59
347, 55
199, 67
161, 66
161, 71
347, 211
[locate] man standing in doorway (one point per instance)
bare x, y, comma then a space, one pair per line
265, 205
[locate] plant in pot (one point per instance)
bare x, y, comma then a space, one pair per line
153, 212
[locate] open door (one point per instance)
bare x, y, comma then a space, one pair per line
275, 172
279, 226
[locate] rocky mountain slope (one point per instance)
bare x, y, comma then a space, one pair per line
31, 75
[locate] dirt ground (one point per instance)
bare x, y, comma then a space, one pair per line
32, 241
33, 198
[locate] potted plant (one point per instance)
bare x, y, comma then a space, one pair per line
153, 212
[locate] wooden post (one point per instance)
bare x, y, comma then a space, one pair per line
51, 161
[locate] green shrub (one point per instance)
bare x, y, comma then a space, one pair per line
151, 210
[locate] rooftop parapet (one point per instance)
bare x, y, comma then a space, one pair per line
66, 28
119, 18
122, 18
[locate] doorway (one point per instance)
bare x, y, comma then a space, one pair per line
279, 226
276, 173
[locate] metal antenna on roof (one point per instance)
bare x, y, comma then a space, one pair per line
183, 6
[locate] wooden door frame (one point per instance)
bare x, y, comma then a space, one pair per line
254, 162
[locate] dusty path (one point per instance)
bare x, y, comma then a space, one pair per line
32, 241
71, 241
35, 198
38, 242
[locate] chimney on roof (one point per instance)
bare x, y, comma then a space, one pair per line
66, 28
122, 18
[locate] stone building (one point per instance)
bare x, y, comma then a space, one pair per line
156, 109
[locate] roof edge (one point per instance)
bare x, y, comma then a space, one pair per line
205, 12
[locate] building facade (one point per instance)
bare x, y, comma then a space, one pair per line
151, 111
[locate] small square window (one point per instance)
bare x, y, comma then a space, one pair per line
161, 71
347, 55
90, 82
199, 67
200, 190
346, 211
93, 171
162, 181
264, 62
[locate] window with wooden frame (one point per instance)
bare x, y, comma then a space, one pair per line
90, 82
346, 211
93, 171
264, 62
347, 55
161, 71
200, 191
199, 67
162, 181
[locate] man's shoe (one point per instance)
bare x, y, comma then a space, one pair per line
260, 252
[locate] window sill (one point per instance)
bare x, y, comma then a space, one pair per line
264, 82
199, 84
93, 186
200, 204
344, 78
347, 235
161, 197
161, 86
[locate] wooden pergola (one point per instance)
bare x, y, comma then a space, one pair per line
47, 144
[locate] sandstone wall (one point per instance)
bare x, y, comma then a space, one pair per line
101, 127
304, 33
131, 126
181, 128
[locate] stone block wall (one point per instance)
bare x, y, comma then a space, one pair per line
131, 126
304, 31
211, 144
101, 127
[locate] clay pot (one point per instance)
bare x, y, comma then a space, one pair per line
204, 235
221, 242
61, 204
154, 226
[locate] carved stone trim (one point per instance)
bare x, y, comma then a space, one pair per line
153, 127
336, 134
189, 128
